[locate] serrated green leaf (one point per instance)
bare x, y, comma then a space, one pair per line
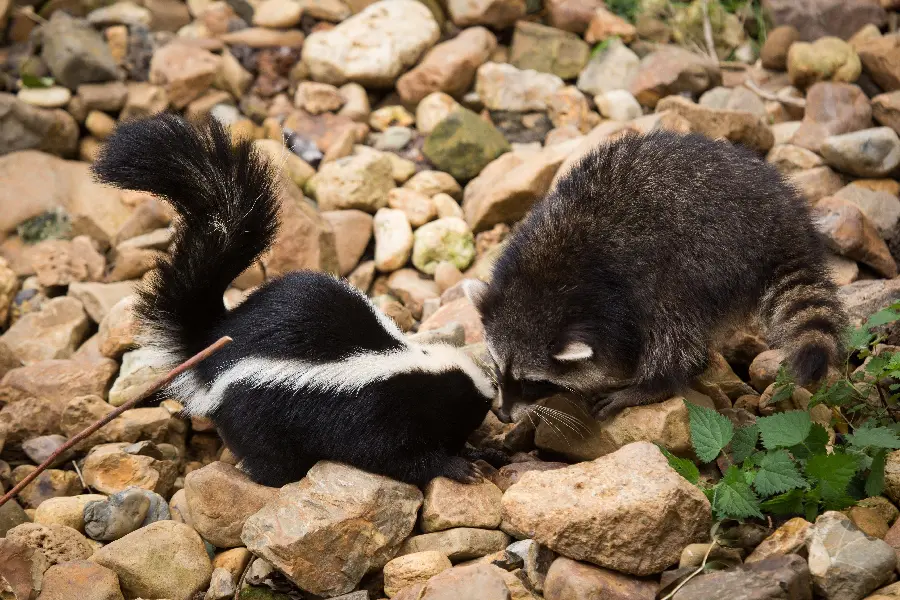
874, 437
710, 431
815, 443
882, 317
682, 466
777, 473
875, 480
734, 499
838, 394
833, 473
783, 430
811, 503
744, 442
790, 503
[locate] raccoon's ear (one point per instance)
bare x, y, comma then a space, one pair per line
574, 351
474, 289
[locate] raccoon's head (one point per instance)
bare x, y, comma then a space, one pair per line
539, 348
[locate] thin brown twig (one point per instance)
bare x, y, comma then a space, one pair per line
160, 383
751, 85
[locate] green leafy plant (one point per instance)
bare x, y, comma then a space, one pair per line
788, 464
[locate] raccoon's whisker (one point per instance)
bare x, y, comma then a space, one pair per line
554, 428
566, 421
549, 418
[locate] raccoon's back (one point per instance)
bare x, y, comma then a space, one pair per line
671, 209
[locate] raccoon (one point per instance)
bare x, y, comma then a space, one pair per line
615, 284
315, 371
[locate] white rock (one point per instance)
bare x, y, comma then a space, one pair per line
618, 105
504, 87
374, 47
51, 97
867, 153
393, 239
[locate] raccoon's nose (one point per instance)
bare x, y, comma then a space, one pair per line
504, 416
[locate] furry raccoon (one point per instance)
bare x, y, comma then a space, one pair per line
315, 371
621, 277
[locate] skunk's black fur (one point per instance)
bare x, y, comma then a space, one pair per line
314, 371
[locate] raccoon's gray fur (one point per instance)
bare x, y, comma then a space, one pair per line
647, 248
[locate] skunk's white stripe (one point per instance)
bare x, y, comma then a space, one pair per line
345, 376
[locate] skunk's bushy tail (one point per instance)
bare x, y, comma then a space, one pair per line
227, 204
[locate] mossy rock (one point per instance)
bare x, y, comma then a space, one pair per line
463, 144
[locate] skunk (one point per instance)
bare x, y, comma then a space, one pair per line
315, 371
616, 284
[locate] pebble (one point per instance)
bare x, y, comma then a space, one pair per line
774, 52
613, 68
109, 468
789, 159
311, 531
122, 513
68, 510
507, 188
882, 208
278, 14
221, 586
220, 498
790, 538
352, 233
498, 14
40, 448
618, 105
879, 58
843, 561
139, 370
433, 109
826, 59
832, 109
412, 289
449, 67
411, 569
80, 579
867, 153
373, 47
58, 543
548, 50
506, 87
449, 504
54, 331
75, 52
52, 483
184, 70
361, 181
163, 560
393, 239
393, 139
389, 116
317, 98
850, 233
568, 579
816, 183
458, 544
447, 239
62, 262
737, 126
50, 97
672, 70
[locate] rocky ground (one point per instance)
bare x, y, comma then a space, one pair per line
409, 136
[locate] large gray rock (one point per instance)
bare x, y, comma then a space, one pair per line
845, 563
627, 511
614, 68
333, 526
779, 578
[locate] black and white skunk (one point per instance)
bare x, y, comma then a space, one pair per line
315, 371
645, 250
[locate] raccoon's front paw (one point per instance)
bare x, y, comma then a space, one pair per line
461, 470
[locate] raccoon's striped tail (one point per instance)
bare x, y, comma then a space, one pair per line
806, 320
